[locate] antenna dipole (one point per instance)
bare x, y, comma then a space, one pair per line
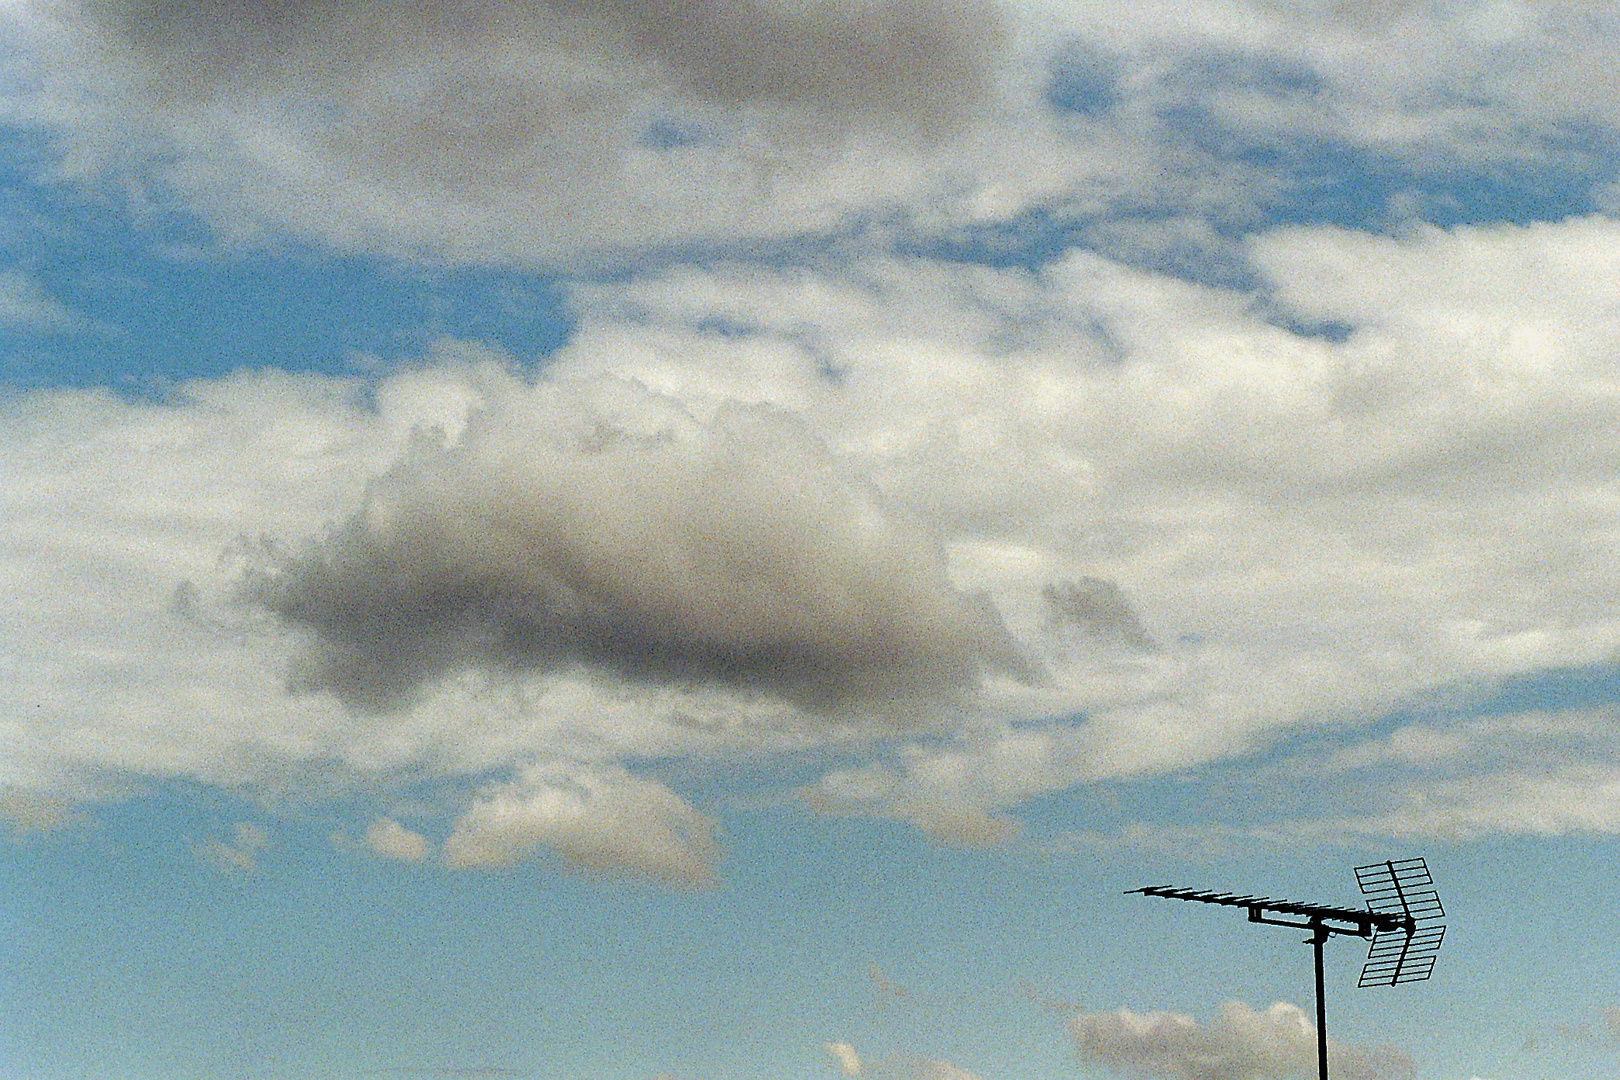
1400, 919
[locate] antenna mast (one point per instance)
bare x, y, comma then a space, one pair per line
1400, 919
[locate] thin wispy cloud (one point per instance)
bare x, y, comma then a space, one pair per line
25, 305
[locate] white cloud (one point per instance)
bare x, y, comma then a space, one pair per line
1239, 1044
391, 840
122, 651
25, 305
844, 1055
601, 818
1539, 801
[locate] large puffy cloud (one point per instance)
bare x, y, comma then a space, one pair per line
601, 525
1241, 1043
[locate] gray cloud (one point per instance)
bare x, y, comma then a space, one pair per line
648, 547
550, 131
917, 60
1100, 609
518, 130
923, 58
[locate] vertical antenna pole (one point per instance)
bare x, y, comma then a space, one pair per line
1320, 936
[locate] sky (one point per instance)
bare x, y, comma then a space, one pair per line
608, 540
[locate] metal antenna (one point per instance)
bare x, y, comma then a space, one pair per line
1402, 906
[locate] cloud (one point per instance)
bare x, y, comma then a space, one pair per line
604, 819
1527, 800
1097, 608
939, 1069
603, 526
850, 1063
1240, 1044
238, 856
442, 127
879, 56
844, 1055
558, 133
25, 812
391, 840
24, 305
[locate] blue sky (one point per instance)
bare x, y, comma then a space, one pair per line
622, 541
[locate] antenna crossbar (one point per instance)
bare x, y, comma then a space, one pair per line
1263, 909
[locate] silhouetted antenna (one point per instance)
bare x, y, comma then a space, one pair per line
1401, 919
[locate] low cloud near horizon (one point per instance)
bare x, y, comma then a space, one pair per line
1241, 1043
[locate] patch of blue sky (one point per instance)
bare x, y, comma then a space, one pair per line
1083, 79
160, 304
668, 134
1300, 179
134, 951
128, 951
1326, 183
1554, 688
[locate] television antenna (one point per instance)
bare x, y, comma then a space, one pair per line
1401, 919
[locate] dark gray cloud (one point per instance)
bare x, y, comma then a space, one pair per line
515, 130
735, 553
920, 59
1099, 609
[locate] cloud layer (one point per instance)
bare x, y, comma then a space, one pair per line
520, 131
1006, 437
1035, 530
552, 132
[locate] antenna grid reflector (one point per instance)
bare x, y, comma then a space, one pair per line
1402, 954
